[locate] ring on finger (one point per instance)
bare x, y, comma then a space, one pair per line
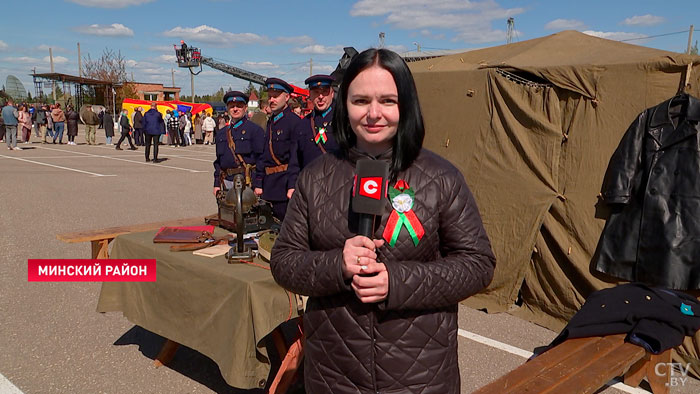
359, 259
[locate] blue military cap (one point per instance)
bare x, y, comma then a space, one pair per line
278, 84
319, 80
235, 95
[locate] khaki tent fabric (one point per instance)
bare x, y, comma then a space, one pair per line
532, 126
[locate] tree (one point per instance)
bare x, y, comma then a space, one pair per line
250, 89
127, 90
694, 49
219, 95
111, 66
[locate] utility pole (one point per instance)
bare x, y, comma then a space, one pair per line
80, 63
311, 66
690, 39
510, 31
53, 83
172, 73
381, 39
192, 85
689, 68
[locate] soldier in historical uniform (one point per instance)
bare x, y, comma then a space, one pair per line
315, 136
277, 168
239, 144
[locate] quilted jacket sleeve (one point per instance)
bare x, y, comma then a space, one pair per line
625, 165
296, 267
467, 263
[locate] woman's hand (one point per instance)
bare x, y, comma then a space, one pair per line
359, 251
374, 286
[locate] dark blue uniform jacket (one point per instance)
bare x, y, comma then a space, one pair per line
308, 148
281, 135
248, 138
654, 318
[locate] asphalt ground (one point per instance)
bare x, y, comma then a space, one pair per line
51, 338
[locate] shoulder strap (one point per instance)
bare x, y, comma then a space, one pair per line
269, 133
232, 147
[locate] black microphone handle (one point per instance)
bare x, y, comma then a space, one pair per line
366, 225
366, 228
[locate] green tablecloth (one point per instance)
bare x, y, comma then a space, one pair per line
221, 310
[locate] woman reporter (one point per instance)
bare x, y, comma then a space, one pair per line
382, 312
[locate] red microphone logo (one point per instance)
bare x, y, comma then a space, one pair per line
371, 187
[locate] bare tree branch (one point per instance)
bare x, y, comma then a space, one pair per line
111, 66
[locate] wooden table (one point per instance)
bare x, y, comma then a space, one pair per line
221, 318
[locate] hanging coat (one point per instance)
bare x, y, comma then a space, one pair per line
652, 186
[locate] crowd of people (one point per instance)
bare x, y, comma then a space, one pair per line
47, 122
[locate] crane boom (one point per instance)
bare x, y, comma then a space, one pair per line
235, 71
191, 58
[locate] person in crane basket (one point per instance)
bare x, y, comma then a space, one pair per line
183, 50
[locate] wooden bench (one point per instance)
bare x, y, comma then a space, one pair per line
584, 365
100, 239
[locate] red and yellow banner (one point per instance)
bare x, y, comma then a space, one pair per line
163, 106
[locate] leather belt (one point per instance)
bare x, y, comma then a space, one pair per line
276, 169
234, 171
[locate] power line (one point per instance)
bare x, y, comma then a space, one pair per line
439, 49
658, 35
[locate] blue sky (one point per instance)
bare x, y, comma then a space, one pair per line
278, 38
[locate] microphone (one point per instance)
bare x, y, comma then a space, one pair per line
369, 193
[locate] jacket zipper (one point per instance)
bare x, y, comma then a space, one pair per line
374, 350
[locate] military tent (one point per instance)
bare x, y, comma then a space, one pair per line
532, 126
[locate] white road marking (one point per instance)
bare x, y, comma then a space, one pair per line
126, 160
6, 387
55, 157
493, 343
615, 383
160, 150
54, 166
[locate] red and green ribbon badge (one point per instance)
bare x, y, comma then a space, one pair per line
402, 200
321, 136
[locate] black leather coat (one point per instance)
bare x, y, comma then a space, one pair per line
408, 343
653, 188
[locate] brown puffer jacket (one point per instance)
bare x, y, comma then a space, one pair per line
407, 343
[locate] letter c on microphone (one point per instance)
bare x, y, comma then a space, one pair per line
371, 187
